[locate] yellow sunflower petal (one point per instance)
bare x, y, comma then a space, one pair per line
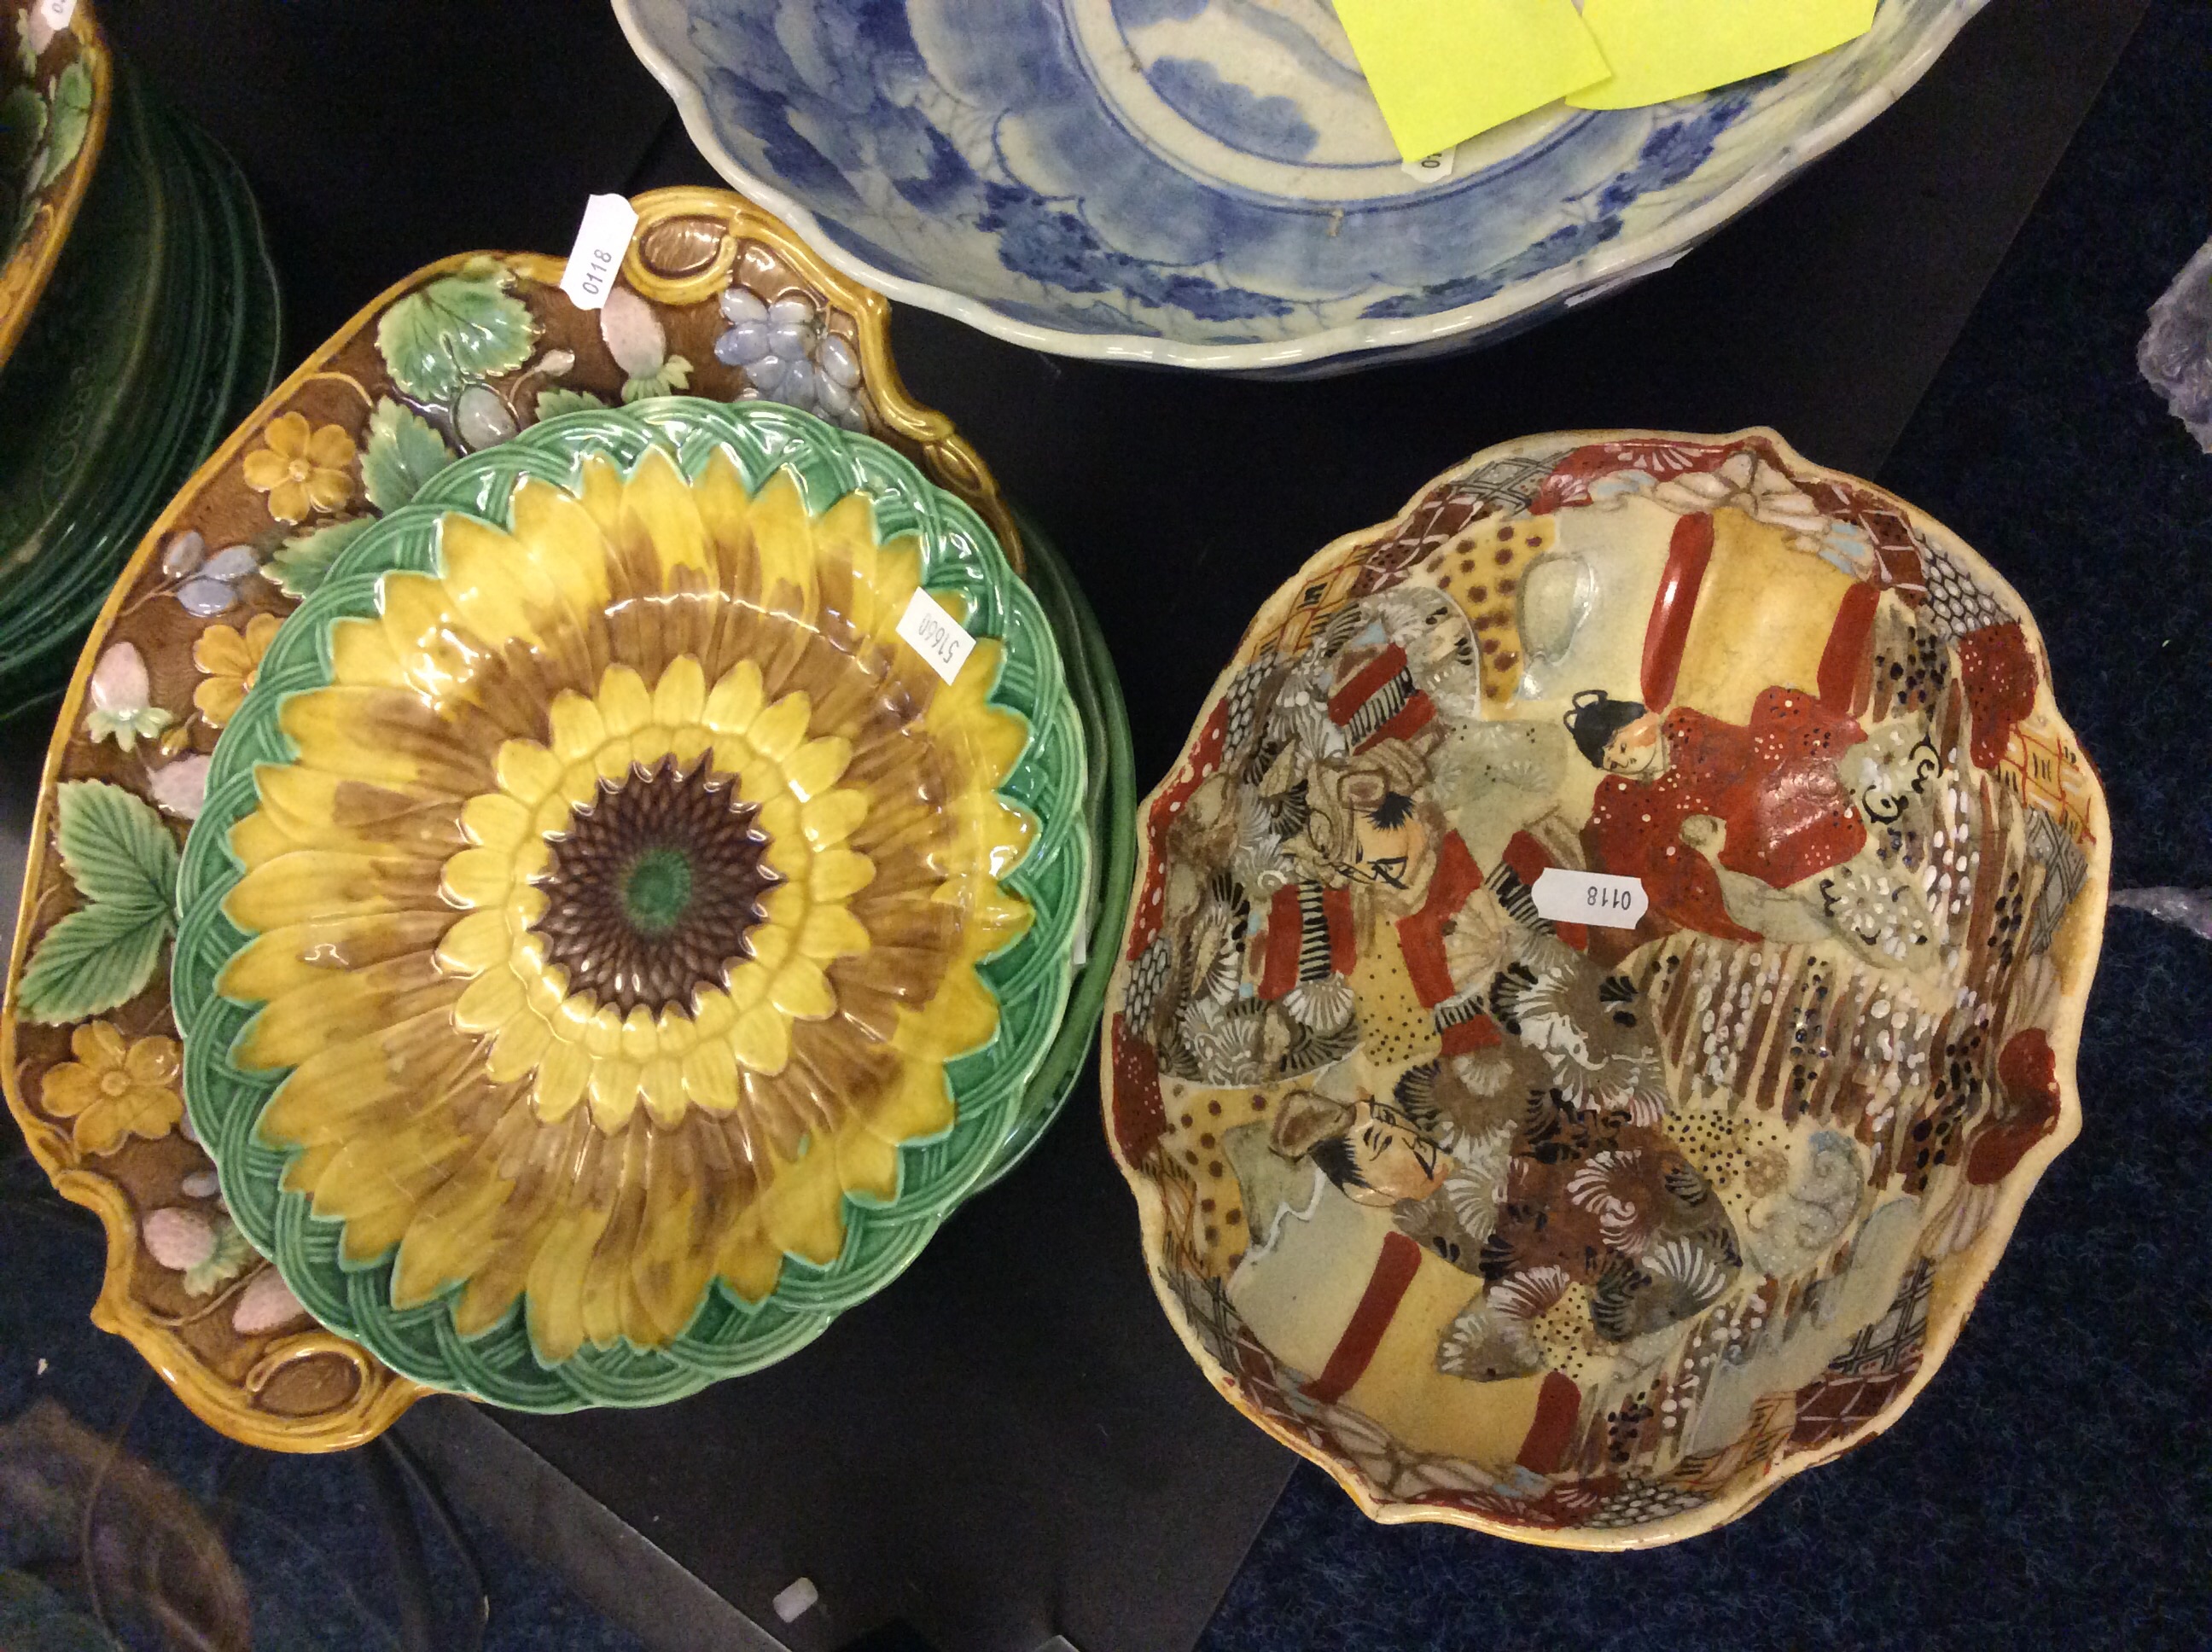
612, 761
710, 1075
625, 704
478, 877
474, 945
640, 1041
689, 743
725, 513
527, 771
784, 534
735, 700
802, 990
516, 1049
762, 1039
560, 543
563, 1072
680, 697
496, 820
830, 932
867, 1163
817, 766
658, 501
487, 576
837, 873
777, 731
660, 1081
780, 819
613, 1092
486, 1003
578, 730
830, 817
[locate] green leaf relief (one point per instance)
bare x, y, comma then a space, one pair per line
403, 451
552, 402
72, 116
95, 958
674, 373
123, 863
458, 328
115, 847
305, 560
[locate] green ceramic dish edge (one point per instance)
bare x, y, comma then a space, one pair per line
1031, 978
1113, 814
223, 321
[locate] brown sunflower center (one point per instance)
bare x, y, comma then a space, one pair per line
655, 887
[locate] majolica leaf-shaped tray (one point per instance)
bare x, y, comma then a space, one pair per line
608, 949
89, 1050
1604, 977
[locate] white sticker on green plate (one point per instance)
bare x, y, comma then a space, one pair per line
935, 634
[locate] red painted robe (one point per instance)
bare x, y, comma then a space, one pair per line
1310, 933
1772, 783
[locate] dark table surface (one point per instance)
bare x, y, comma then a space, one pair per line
1011, 1443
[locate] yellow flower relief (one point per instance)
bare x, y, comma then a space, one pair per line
622, 907
117, 1088
232, 660
304, 471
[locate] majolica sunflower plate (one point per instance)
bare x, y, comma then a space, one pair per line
715, 297
609, 948
1604, 978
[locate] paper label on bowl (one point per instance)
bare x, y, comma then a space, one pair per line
1590, 897
1432, 168
1443, 70
56, 14
596, 259
935, 634
1662, 50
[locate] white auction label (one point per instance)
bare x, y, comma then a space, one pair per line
935, 634
601, 239
1590, 897
56, 14
1432, 168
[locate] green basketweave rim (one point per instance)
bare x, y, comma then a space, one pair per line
1029, 977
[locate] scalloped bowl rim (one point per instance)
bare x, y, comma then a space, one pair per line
1979, 1262
1617, 263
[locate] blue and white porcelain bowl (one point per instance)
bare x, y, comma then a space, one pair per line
1208, 183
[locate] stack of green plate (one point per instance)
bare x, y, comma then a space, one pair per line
158, 333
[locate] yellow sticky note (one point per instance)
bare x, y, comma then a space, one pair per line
1665, 49
1445, 70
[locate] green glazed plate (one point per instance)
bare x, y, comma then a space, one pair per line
1029, 978
162, 327
1110, 806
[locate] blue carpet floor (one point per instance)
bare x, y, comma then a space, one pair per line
2053, 1485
